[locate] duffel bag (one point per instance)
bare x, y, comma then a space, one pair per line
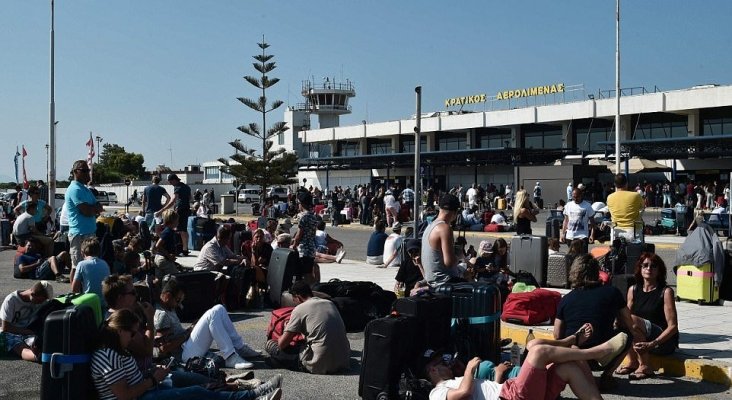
494, 228
277, 323
531, 308
339, 288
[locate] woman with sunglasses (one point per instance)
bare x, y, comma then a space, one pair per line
652, 307
116, 376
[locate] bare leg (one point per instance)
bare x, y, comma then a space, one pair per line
582, 386
541, 354
324, 258
634, 359
25, 352
184, 238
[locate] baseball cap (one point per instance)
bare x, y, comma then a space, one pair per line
449, 202
173, 177
49, 289
413, 244
485, 247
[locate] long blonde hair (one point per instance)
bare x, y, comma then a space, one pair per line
522, 198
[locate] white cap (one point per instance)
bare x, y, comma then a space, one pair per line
49, 289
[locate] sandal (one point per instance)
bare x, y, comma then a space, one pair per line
637, 376
625, 370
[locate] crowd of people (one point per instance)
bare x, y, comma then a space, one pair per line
596, 324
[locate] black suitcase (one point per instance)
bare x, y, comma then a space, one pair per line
280, 272
199, 289
476, 312
240, 281
355, 312
5, 229
434, 316
387, 349
67, 346
553, 227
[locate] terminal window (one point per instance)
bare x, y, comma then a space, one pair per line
717, 126
543, 140
453, 143
408, 145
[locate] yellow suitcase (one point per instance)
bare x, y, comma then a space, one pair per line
696, 284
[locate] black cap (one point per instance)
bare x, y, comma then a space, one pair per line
173, 177
449, 202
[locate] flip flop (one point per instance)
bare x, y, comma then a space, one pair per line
626, 370
577, 335
637, 376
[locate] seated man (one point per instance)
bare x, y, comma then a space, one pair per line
375, 246
471, 221
215, 254
33, 265
393, 246
24, 228
214, 325
547, 370
16, 313
91, 271
41, 213
328, 350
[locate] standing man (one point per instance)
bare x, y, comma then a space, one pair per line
438, 245
578, 221
472, 195
407, 197
625, 208
304, 241
42, 191
570, 187
82, 208
537, 195
181, 203
152, 198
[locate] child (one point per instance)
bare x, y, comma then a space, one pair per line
91, 271
165, 247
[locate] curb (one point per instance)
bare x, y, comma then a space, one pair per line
677, 365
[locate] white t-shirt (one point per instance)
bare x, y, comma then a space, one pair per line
578, 226
16, 311
498, 219
483, 389
472, 195
390, 201
23, 223
391, 245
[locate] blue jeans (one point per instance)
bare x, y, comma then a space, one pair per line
165, 392
182, 378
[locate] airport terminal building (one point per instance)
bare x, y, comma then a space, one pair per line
547, 133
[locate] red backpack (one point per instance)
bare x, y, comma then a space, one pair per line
278, 322
531, 308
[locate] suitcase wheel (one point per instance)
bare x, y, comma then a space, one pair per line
382, 396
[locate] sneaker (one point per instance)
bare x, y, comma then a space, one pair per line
617, 344
340, 254
248, 384
62, 279
237, 362
248, 352
244, 375
275, 395
269, 386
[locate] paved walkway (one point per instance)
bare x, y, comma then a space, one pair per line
705, 331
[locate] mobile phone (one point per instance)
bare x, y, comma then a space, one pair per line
170, 363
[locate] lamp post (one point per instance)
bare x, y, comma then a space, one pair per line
99, 148
47, 146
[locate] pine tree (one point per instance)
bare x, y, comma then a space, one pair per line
269, 167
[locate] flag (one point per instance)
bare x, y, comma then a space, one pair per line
17, 154
90, 155
25, 177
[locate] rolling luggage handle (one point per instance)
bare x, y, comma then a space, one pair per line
486, 319
65, 362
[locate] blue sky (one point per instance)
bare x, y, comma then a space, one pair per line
158, 75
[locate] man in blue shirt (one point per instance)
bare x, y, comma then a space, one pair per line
91, 271
375, 247
43, 210
82, 208
152, 198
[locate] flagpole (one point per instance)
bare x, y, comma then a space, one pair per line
52, 124
617, 86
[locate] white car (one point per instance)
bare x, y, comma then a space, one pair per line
112, 197
278, 193
248, 195
102, 197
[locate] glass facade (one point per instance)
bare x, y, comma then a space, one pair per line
661, 130
382, 146
491, 141
455, 141
211, 173
717, 126
349, 149
547, 137
408, 145
587, 139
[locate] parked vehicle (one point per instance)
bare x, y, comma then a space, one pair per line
58, 201
278, 193
248, 195
112, 197
102, 197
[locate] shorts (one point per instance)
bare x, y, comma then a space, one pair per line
163, 266
653, 332
75, 247
44, 271
533, 384
183, 214
10, 340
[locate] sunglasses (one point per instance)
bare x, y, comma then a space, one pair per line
647, 265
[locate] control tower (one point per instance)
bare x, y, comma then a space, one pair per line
328, 100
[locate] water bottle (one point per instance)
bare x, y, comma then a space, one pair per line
529, 338
400, 290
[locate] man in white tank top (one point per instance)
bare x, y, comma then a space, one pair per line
438, 254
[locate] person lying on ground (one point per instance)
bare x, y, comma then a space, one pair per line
32, 265
548, 368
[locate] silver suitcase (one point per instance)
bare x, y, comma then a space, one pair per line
557, 274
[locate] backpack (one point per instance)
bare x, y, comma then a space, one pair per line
531, 308
277, 323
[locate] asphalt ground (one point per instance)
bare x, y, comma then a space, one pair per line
21, 380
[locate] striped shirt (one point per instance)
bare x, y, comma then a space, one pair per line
108, 367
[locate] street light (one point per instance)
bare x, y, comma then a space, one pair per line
99, 147
47, 146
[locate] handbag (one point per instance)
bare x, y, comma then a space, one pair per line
208, 367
